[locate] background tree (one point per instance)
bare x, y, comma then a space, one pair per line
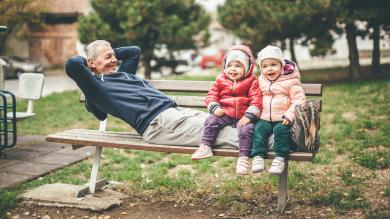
15, 13
259, 23
147, 24
376, 14
347, 14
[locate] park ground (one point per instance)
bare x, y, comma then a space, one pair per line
349, 177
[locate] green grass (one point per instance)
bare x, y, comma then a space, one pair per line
355, 125
342, 200
387, 192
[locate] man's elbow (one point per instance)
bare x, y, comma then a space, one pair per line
73, 63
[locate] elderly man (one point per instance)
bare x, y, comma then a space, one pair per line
120, 93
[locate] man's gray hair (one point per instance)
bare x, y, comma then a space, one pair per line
91, 52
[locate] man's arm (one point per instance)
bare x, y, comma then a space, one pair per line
130, 58
95, 111
76, 68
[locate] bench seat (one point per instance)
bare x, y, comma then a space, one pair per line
126, 140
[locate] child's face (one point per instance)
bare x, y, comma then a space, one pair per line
235, 70
271, 69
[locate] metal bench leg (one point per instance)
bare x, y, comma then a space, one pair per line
282, 195
93, 183
95, 169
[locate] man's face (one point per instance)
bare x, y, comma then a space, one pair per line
105, 62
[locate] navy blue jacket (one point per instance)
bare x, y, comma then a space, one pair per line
120, 94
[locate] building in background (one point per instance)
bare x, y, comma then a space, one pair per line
56, 42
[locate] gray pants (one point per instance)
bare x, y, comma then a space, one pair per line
182, 126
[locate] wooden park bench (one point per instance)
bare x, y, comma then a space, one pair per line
101, 138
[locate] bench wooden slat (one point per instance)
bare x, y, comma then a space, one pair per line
198, 101
134, 141
204, 86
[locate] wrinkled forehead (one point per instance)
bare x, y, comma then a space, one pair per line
103, 50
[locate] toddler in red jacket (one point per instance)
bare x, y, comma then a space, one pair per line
233, 100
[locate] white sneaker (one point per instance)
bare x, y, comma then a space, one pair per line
257, 164
277, 166
242, 166
203, 151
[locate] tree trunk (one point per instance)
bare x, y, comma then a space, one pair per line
3, 40
376, 53
173, 63
148, 70
354, 66
292, 51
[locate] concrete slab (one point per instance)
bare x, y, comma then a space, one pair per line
64, 195
30, 168
58, 158
33, 157
44, 146
22, 154
7, 162
10, 179
30, 139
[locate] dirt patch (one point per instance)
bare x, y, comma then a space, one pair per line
378, 185
349, 116
141, 208
131, 208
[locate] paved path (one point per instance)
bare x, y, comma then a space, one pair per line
33, 157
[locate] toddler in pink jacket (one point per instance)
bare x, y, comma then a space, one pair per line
281, 88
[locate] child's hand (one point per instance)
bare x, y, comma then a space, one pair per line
243, 121
285, 122
219, 112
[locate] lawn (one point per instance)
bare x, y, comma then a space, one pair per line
349, 177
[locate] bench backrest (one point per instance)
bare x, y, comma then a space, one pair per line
192, 93
202, 87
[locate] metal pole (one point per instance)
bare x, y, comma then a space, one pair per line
2, 29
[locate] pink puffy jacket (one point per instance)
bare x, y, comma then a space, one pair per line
281, 96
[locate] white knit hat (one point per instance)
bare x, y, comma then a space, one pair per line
240, 56
270, 52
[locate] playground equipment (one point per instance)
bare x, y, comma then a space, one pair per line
30, 89
7, 107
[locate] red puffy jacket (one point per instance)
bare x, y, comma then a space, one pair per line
236, 97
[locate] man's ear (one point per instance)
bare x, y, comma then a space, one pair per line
91, 63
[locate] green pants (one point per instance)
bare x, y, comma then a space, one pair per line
282, 138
